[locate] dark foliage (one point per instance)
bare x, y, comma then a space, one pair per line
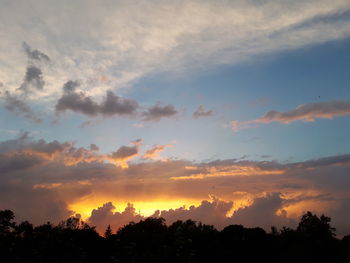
151, 240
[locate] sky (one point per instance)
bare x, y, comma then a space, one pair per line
225, 112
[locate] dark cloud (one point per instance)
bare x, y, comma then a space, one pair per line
156, 112
325, 161
77, 102
19, 107
70, 86
80, 102
125, 152
213, 212
32, 78
94, 147
114, 105
18, 161
200, 112
35, 54
263, 213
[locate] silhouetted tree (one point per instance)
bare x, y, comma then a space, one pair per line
151, 240
6, 218
108, 233
316, 227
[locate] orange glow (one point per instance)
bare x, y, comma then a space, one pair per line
145, 208
296, 210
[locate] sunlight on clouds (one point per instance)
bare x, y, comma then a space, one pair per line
145, 208
233, 170
317, 206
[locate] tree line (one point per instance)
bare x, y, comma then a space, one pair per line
152, 240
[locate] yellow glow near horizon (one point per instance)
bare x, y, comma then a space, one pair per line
144, 208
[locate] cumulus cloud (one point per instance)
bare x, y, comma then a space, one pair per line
125, 153
80, 102
154, 152
156, 112
39, 151
263, 212
213, 212
308, 112
200, 112
105, 215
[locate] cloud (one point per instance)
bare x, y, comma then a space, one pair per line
212, 212
231, 170
154, 152
41, 151
263, 212
18, 161
19, 107
32, 78
115, 105
32, 81
128, 42
200, 112
79, 102
35, 54
105, 215
55, 177
125, 153
308, 112
156, 112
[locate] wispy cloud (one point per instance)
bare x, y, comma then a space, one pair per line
308, 112
200, 112
154, 152
126, 41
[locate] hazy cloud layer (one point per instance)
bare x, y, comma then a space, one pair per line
308, 112
127, 41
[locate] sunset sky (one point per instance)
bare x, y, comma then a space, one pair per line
220, 111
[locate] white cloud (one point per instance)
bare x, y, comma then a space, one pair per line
108, 44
